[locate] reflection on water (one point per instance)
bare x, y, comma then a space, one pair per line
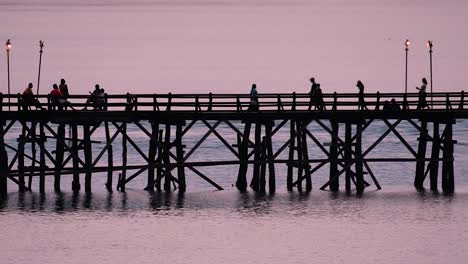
389, 226
132, 200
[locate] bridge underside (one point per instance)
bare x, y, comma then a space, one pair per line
62, 143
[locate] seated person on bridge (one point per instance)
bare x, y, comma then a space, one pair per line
28, 98
57, 99
96, 98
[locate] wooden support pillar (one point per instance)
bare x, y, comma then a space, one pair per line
300, 161
33, 153
257, 155
59, 156
292, 141
180, 159
42, 158
305, 157
152, 155
448, 183
359, 160
241, 182
263, 159
110, 158
87, 157
3, 162
123, 175
434, 171
159, 161
271, 163
21, 143
334, 181
421, 156
348, 156
166, 159
76, 186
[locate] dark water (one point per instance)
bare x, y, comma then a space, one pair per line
390, 226
223, 46
394, 225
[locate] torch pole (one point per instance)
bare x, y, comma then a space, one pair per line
8, 73
406, 70
41, 45
430, 67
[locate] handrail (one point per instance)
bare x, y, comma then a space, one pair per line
212, 102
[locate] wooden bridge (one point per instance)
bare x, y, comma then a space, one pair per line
166, 160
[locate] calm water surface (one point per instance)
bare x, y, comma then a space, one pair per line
391, 226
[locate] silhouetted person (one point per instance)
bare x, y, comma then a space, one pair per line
386, 106
63, 87
394, 106
320, 104
57, 98
29, 99
422, 103
93, 96
100, 99
253, 98
313, 93
361, 103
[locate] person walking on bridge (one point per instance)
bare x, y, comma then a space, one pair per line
422, 102
361, 103
319, 103
313, 93
253, 98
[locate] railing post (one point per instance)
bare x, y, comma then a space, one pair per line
18, 101
1, 102
462, 100
49, 106
169, 102
448, 106
405, 103
335, 101
135, 103
129, 103
280, 104
106, 101
210, 96
197, 104
293, 107
377, 104
239, 106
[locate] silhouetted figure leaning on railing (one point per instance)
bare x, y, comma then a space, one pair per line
253, 98
422, 102
57, 100
28, 99
361, 102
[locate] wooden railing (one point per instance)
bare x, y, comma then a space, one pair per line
234, 102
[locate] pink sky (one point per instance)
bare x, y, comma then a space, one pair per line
193, 46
